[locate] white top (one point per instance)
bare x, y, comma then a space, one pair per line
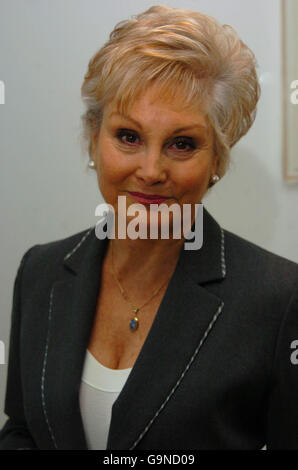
100, 387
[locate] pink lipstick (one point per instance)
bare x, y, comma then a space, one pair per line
148, 198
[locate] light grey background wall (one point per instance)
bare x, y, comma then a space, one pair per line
46, 191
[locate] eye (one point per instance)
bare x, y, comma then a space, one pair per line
185, 143
126, 136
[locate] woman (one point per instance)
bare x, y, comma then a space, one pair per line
139, 343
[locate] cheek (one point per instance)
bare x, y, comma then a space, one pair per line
194, 178
194, 181
111, 168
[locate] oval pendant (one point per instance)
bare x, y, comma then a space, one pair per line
134, 324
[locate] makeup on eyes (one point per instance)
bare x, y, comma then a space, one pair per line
118, 120
125, 131
186, 140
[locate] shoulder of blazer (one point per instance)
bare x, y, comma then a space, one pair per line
250, 250
255, 265
45, 260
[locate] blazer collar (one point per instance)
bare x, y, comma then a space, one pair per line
203, 265
181, 326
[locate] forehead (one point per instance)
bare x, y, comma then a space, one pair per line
152, 106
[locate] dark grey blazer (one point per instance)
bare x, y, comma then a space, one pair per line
217, 369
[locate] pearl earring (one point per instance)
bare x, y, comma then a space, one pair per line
215, 178
91, 164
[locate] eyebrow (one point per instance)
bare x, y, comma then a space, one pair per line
181, 129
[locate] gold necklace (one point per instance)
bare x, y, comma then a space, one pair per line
134, 321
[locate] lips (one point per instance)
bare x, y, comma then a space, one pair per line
148, 198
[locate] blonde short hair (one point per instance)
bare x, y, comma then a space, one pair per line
191, 57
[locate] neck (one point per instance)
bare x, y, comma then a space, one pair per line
147, 261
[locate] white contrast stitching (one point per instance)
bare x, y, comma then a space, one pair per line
47, 343
43, 372
222, 253
78, 244
181, 376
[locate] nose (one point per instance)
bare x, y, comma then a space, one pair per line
151, 168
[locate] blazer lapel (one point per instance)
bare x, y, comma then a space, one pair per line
73, 308
186, 315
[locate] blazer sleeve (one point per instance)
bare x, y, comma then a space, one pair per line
282, 411
15, 434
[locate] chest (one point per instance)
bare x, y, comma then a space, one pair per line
112, 342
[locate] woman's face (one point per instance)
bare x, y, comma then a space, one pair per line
159, 149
